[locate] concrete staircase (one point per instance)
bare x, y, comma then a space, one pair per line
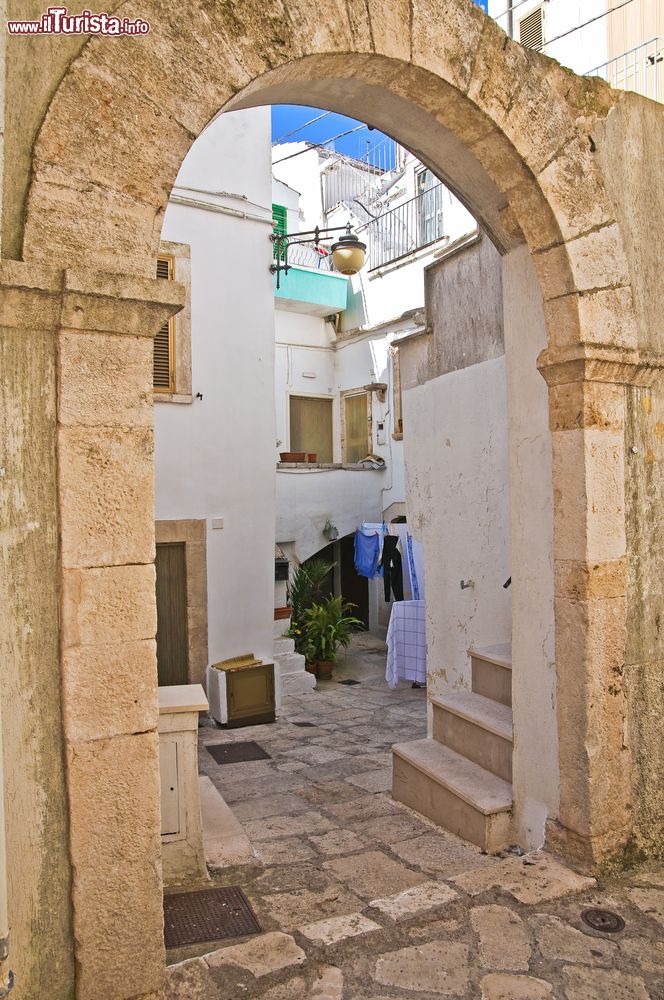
293, 679
461, 777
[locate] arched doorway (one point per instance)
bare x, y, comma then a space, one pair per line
527, 147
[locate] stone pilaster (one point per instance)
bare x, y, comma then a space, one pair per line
587, 401
108, 623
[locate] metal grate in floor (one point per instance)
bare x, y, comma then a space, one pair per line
207, 915
349, 681
305, 725
237, 753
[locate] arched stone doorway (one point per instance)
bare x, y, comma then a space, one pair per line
539, 156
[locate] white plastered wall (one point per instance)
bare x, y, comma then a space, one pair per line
215, 458
458, 507
536, 778
478, 470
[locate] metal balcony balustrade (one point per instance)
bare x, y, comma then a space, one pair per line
410, 226
308, 255
641, 70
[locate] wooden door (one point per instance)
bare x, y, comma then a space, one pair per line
354, 587
172, 645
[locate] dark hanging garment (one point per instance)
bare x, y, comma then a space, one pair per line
392, 568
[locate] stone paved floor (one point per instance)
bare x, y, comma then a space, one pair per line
361, 898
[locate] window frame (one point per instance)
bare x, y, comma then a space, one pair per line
344, 395
294, 394
179, 390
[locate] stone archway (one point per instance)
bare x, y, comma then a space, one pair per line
531, 150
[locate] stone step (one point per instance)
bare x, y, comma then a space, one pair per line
477, 728
491, 670
283, 645
280, 626
454, 792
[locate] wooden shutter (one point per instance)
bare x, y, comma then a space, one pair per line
280, 221
356, 427
163, 361
531, 30
311, 426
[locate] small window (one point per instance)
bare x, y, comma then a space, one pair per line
531, 29
311, 426
280, 225
357, 444
163, 368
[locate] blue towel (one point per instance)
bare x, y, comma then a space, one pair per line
367, 554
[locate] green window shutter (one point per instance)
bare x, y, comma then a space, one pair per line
280, 220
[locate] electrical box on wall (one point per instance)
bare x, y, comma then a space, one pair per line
380, 432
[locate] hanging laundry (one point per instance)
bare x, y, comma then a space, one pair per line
392, 568
369, 548
406, 644
367, 554
416, 567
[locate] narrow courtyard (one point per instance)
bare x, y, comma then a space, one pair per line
359, 897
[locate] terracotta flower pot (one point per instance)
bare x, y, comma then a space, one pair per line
311, 456
325, 668
292, 456
280, 613
311, 668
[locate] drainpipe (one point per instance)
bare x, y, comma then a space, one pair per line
510, 19
6, 975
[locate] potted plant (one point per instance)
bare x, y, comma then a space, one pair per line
306, 586
326, 626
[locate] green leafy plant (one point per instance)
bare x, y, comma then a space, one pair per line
326, 626
304, 589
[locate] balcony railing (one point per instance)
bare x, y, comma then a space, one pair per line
641, 70
307, 255
410, 226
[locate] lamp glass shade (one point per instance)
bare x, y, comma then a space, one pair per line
349, 255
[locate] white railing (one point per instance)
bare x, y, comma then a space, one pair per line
307, 255
408, 227
641, 70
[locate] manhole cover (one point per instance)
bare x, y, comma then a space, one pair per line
603, 920
207, 915
236, 753
349, 681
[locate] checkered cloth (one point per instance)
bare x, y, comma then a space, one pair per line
406, 644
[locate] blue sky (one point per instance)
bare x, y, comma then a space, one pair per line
286, 117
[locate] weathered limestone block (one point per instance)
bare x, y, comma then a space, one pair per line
589, 517
107, 495
85, 102
390, 27
502, 986
504, 941
597, 259
115, 849
582, 581
598, 405
573, 186
536, 220
644, 686
103, 380
109, 690
96, 301
36, 806
590, 657
447, 53
108, 605
124, 230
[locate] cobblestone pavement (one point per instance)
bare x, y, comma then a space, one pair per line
361, 898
